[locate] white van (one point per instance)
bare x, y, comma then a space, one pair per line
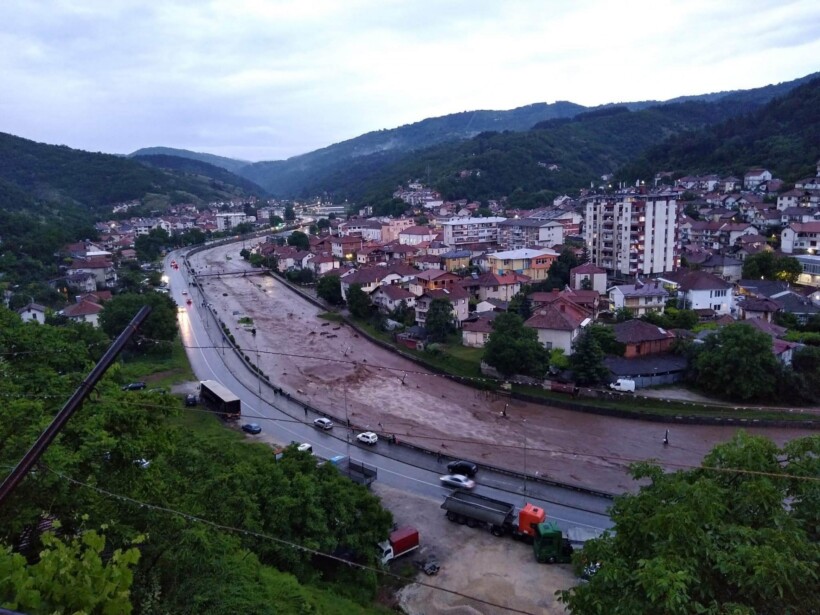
624, 385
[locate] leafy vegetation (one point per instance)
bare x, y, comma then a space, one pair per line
717, 539
770, 266
513, 348
782, 137
200, 478
219, 177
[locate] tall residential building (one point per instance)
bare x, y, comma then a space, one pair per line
635, 234
516, 233
474, 232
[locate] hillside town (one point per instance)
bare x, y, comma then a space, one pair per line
633, 251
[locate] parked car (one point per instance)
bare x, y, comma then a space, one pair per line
367, 437
458, 481
460, 466
323, 423
305, 447
190, 399
134, 386
253, 428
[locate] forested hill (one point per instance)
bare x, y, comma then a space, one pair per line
783, 136
229, 164
60, 174
295, 175
198, 168
519, 164
371, 157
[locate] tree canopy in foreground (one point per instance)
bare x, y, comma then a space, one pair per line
738, 535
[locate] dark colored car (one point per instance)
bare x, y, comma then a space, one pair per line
134, 386
251, 428
190, 399
466, 468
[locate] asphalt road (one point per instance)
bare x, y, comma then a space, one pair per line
398, 466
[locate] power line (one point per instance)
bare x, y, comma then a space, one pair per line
281, 541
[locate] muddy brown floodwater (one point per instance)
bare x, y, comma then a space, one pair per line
313, 359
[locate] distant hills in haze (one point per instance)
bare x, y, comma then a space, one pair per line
229, 164
585, 142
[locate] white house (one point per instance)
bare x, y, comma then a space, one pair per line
754, 177
800, 237
84, 311
388, 297
33, 312
705, 291
639, 298
559, 324
457, 296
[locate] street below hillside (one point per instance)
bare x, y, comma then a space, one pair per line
329, 366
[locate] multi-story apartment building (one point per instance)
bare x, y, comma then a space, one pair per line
227, 221
636, 234
471, 231
516, 233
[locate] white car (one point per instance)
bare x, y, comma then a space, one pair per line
458, 481
305, 447
323, 423
367, 437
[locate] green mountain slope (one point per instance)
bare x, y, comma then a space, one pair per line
370, 157
61, 174
515, 164
783, 136
290, 177
197, 168
229, 164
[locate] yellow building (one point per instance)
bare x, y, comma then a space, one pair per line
532, 263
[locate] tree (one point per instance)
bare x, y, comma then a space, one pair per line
161, 323
588, 360
513, 348
768, 265
404, 314
358, 301
323, 224
298, 239
313, 229
275, 220
70, 576
150, 246
713, 540
605, 336
737, 363
439, 319
290, 215
521, 304
329, 288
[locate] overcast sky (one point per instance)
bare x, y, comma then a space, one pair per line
265, 80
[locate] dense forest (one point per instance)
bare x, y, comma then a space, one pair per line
217, 521
51, 195
229, 164
219, 177
516, 164
783, 136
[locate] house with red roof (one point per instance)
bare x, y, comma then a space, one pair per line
457, 296
389, 296
491, 285
84, 311
588, 277
642, 338
800, 238
475, 333
559, 324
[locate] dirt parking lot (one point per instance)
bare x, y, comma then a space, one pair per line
473, 562
332, 367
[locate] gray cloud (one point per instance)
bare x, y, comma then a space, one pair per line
271, 79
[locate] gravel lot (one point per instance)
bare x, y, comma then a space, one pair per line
473, 562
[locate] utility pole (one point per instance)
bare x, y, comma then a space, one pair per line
71, 406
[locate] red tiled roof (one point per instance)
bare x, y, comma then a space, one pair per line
637, 331
586, 268
83, 308
558, 315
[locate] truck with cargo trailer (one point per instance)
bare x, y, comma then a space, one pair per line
218, 398
400, 542
502, 518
